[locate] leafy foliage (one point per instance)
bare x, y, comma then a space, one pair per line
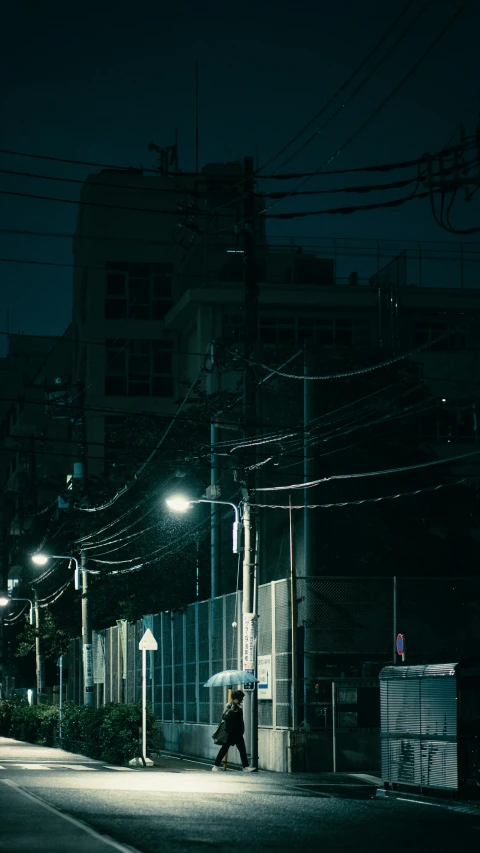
108, 733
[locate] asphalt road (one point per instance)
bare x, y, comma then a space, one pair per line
52, 801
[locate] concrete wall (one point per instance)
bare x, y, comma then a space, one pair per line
281, 750
196, 741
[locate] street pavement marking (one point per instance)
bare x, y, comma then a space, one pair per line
74, 766
32, 766
2, 767
110, 842
122, 769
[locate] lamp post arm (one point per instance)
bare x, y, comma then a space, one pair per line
30, 603
223, 503
237, 527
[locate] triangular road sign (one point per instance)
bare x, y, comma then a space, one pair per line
148, 642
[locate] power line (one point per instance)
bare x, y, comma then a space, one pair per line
209, 214
115, 167
351, 77
197, 194
127, 487
384, 167
368, 369
112, 410
400, 470
390, 95
364, 500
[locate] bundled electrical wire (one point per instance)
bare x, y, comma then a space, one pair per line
363, 500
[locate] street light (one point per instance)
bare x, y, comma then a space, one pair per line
179, 503
42, 560
4, 602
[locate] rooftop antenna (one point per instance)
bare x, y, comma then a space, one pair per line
196, 116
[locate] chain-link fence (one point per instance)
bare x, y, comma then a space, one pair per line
345, 629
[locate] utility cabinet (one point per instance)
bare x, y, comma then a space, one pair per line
430, 726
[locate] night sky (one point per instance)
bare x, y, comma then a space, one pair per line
97, 81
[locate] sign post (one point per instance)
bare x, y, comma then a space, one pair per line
401, 648
148, 643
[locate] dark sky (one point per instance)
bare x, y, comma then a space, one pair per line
97, 83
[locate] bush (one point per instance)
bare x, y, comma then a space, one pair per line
32, 723
109, 733
119, 732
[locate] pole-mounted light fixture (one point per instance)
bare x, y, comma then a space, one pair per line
4, 602
42, 560
179, 503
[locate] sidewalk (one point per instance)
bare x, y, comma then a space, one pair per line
29, 825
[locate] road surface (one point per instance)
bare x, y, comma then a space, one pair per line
54, 801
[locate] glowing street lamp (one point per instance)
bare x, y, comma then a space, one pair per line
179, 503
42, 560
4, 602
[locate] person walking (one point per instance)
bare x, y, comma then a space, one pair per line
233, 718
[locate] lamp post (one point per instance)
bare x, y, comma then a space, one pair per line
39, 662
4, 601
41, 560
179, 503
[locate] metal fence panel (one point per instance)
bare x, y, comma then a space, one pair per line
265, 706
203, 661
167, 665
345, 627
191, 665
178, 669
283, 650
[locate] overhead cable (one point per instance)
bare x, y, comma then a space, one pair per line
358, 88
363, 370
388, 97
364, 500
313, 483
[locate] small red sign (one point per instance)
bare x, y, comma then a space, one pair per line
400, 644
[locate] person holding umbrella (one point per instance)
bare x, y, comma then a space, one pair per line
233, 718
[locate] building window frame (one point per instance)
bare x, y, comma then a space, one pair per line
138, 291
139, 367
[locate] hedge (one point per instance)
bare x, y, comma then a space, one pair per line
109, 733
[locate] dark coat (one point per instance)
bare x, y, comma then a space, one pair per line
233, 720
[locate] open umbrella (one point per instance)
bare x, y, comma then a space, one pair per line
230, 677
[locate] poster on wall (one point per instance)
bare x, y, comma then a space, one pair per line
264, 676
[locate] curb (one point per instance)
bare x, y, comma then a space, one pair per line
464, 807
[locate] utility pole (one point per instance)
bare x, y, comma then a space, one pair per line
80, 492
308, 540
39, 657
249, 411
86, 634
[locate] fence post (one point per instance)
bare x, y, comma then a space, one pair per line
224, 636
172, 656
184, 617
197, 665
394, 619
162, 616
210, 650
274, 658
334, 726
